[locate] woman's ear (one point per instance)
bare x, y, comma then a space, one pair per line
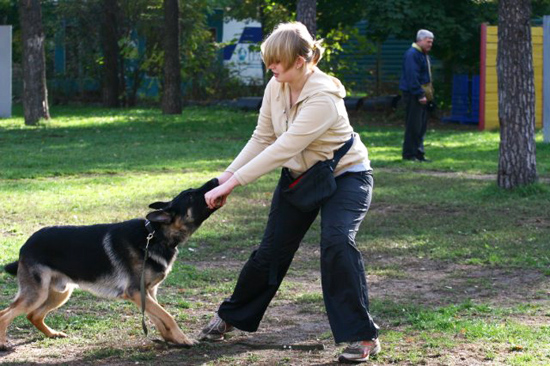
300, 62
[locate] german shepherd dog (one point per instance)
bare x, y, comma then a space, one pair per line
106, 260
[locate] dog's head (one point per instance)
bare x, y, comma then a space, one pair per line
183, 215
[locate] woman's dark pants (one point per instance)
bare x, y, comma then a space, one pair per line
342, 271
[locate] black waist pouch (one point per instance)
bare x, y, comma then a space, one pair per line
312, 188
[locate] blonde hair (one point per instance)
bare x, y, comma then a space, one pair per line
287, 42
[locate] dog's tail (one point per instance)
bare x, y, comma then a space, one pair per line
11, 268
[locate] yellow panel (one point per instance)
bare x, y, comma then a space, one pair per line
491, 79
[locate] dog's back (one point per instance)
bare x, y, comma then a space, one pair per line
84, 253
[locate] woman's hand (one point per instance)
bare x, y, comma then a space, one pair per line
217, 197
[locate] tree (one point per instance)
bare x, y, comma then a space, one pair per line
306, 12
109, 40
455, 25
516, 95
171, 96
35, 92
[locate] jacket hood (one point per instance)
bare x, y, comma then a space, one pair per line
319, 82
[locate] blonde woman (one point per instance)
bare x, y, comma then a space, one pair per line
302, 121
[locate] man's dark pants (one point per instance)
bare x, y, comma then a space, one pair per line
416, 122
343, 277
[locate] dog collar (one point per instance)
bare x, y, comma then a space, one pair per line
149, 227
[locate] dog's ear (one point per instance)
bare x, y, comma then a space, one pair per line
161, 217
160, 205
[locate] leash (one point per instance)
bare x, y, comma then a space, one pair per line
150, 236
258, 346
283, 347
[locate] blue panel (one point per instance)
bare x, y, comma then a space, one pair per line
228, 51
251, 35
465, 100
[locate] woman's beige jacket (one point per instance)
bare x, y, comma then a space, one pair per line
300, 136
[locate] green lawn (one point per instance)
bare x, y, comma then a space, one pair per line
458, 268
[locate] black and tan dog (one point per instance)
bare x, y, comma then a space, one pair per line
106, 260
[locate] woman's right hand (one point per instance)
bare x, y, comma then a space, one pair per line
217, 197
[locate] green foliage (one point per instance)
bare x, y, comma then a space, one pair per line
203, 71
269, 13
335, 62
454, 23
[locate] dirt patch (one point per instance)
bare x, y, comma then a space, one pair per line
427, 282
290, 321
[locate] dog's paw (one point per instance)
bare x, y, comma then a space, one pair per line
189, 342
57, 334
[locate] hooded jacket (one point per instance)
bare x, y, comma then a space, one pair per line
297, 137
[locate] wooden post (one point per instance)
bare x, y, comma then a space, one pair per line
5, 71
546, 80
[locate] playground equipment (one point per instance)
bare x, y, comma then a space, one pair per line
546, 91
465, 100
488, 92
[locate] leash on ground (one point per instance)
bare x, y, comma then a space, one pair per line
257, 346
284, 347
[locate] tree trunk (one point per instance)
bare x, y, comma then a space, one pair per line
35, 91
516, 95
171, 96
109, 39
306, 12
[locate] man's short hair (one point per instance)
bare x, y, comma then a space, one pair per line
424, 33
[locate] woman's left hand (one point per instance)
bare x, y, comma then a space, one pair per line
217, 197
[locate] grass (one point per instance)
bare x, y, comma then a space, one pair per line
90, 165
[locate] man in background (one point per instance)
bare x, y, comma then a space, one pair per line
417, 89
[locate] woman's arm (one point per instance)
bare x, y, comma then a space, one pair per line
314, 119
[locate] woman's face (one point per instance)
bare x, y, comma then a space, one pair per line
286, 76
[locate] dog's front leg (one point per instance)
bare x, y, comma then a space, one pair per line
164, 322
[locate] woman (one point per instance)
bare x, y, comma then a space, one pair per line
303, 120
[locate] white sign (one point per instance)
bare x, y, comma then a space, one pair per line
5, 71
243, 56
